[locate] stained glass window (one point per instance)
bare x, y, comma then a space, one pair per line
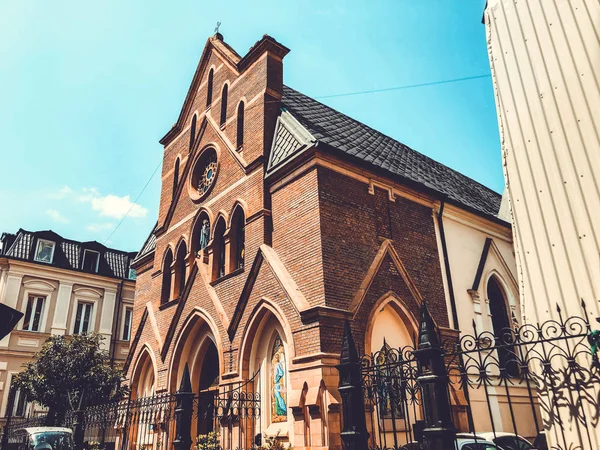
206, 172
278, 382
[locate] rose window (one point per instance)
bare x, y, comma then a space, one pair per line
204, 174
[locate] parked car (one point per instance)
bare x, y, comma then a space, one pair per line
463, 442
44, 438
507, 441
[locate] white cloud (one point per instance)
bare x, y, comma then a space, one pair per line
56, 216
98, 227
61, 193
112, 205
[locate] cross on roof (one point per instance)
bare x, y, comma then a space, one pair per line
217, 27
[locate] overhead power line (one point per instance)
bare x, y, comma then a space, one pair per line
407, 86
347, 94
133, 204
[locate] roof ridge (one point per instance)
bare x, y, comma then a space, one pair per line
379, 133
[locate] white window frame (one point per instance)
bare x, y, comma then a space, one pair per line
36, 300
123, 316
37, 247
87, 301
97, 259
36, 288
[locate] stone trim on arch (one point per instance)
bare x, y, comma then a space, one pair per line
386, 248
264, 308
190, 322
400, 307
287, 283
145, 352
239, 203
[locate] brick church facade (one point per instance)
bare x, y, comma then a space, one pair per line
279, 220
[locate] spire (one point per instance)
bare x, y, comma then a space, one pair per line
349, 353
428, 336
186, 383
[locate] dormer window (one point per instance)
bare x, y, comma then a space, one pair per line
44, 251
91, 258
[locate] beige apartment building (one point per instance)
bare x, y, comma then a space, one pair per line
63, 287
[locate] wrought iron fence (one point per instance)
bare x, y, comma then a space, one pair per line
538, 382
233, 412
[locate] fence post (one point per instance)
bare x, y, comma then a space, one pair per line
183, 412
354, 425
438, 432
78, 429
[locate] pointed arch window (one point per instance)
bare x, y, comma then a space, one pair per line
238, 241
175, 177
166, 277
180, 269
501, 326
209, 88
224, 105
193, 131
219, 249
240, 125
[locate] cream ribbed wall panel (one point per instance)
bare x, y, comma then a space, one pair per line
545, 60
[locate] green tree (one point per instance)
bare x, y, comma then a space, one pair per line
70, 370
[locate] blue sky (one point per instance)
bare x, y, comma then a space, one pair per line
88, 88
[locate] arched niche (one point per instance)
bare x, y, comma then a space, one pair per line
392, 322
144, 375
267, 355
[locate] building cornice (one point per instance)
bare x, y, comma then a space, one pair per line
25, 268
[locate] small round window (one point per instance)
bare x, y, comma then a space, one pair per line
204, 174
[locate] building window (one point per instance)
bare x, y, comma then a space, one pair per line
209, 88
131, 275
219, 249
166, 277
175, 177
83, 318
224, 105
91, 259
238, 241
502, 330
193, 131
127, 321
180, 268
240, 125
44, 251
19, 404
33, 313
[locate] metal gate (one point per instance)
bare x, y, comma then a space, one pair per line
538, 382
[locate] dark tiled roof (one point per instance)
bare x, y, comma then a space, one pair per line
67, 253
363, 142
148, 246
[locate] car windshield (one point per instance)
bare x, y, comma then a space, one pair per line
478, 446
513, 443
51, 440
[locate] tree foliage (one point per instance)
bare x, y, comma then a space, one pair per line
70, 370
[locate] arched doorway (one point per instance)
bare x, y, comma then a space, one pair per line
208, 386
